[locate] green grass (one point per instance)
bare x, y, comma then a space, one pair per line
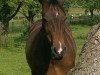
80, 33
12, 62
12, 56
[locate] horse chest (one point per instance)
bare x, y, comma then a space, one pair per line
56, 69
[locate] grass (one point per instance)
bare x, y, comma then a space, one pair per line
13, 62
12, 56
80, 33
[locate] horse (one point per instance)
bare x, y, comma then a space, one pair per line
50, 47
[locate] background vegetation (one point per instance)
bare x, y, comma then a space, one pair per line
20, 14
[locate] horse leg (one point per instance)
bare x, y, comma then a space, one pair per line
32, 72
37, 72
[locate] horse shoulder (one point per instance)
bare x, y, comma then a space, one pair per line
34, 30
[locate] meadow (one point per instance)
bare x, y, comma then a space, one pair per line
12, 55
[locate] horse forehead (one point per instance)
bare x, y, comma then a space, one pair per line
54, 12
59, 39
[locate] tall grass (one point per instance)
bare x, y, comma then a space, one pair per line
12, 56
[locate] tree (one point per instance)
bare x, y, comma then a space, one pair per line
67, 5
89, 63
89, 5
7, 12
8, 9
30, 9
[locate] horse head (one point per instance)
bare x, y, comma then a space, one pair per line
54, 24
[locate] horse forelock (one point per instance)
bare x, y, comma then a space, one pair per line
56, 20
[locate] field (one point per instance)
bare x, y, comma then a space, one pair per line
12, 56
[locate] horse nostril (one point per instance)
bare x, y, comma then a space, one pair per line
55, 50
64, 48
57, 54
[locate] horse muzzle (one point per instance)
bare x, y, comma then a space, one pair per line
56, 55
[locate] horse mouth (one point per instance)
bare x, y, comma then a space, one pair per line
56, 55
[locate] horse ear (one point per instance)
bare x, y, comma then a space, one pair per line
61, 2
45, 6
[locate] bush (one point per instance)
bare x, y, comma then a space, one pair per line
87, 20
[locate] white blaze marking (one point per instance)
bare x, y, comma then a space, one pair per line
56, 14
60, 49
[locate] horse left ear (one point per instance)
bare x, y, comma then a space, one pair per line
61, 2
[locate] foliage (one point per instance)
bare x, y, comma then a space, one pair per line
67, 5
30, 9
85, 19
7, 9
89, 5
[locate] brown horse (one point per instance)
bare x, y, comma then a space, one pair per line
50, 48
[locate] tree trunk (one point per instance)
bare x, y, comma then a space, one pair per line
91, 12
5, 27
89, 63
31, 16
4, 32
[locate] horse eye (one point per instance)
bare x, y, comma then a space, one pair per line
49, 37
65, 19
45, 20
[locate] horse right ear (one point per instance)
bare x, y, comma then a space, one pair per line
45, 5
